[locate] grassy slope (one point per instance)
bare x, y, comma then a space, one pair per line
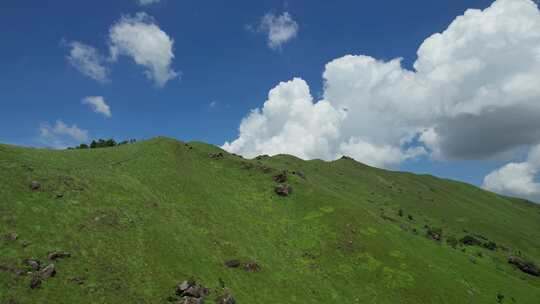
140, 218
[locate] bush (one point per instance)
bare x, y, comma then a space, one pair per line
452, 241
490, 245
470, 240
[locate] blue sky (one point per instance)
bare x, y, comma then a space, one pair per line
225, 67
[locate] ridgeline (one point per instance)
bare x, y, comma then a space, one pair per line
163, 221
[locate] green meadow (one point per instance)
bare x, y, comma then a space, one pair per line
140, 218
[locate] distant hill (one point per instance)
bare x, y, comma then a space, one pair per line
128, 224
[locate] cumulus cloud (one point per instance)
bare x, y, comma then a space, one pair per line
278, 28
517, 178
60, 135
147, 2
140, 38
98, 105
473, 94
87, 60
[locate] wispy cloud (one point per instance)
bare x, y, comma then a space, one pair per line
279, 29
98, 104
87, 60
61, 135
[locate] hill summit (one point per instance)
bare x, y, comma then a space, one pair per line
164, 221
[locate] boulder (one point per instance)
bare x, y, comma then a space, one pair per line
35, 186
58, 255
196, 291
281, 177
226, 298
11, 237
35, 265
252, 267
47, 272
35, 282
283, 190
218, 155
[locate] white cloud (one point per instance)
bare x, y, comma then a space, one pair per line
279, 29
141, 39
98, 105
147, 2
517, 178
60, 135
473, 94
87, 60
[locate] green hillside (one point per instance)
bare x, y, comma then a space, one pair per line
139, 219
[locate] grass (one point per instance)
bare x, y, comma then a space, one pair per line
140, 218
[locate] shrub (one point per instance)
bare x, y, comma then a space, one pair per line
470, 240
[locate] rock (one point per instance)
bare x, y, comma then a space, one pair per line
47, 272
300, 174
35, 265
226, 298
35, 282
281, 177
58, 255
218, 155
252, 267
191, 292
190, 300
196, 291
11, 237
183, 287
233, 263
77, 280
35, 186
525, 266
283, 190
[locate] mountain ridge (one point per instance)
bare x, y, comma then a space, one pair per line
140, 218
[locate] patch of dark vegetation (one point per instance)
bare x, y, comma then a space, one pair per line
410, 217
452, 242
345, 157
470, 240
387, 218
233, 263
262, 157
527, 267
490, 245
400, 212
